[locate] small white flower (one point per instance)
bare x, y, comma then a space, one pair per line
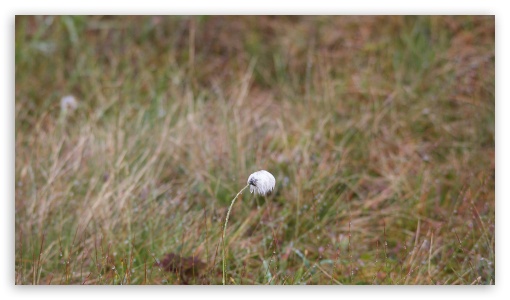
68, 103
261, 182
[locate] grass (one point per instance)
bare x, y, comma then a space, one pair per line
379, 131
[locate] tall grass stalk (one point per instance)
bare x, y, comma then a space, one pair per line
225, 230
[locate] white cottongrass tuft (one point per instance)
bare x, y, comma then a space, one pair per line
261, 182
68, 103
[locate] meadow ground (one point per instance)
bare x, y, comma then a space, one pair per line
379, 131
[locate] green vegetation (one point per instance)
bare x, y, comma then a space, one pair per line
379, 131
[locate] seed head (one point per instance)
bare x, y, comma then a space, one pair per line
68, 103
261, 182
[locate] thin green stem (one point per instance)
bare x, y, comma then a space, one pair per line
225, 230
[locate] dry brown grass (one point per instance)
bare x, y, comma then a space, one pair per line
379, 131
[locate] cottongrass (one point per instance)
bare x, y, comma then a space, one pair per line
261, 182
68, 103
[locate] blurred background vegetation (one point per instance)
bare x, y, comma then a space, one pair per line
378, 129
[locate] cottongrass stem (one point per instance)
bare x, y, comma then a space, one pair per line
225, 231
261, 182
